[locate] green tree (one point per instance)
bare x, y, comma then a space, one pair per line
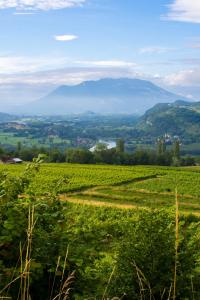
120, 146
101, 147
55, 155
107, 156
19, 147
161, 146
79, 155
176, 149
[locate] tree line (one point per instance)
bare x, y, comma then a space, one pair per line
102, 155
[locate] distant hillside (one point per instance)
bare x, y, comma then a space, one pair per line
180, 118
6, 117
101, 96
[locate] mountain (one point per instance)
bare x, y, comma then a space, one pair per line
176, 119
102, 96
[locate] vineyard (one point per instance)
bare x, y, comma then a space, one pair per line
77, 177
98, 232
130, 187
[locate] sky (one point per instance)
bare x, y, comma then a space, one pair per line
48, 43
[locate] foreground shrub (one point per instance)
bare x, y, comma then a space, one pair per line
145, 262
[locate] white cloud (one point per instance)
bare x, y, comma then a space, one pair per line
184, 11
39, 4
184, 78
108, 63
20, 64
65, 38
21, 13
154, 50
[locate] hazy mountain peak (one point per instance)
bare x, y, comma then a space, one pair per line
107, 95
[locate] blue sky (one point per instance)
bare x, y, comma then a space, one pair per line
46, 43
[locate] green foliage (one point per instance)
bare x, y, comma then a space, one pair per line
48, 241
80, 156
100, 147
120, 146
56, 156
146, 258
161, 144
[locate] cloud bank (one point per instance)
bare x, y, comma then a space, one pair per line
22, 64
184, 11
39, 4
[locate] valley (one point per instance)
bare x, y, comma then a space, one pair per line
169, 121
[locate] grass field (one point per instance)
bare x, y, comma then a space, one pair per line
117, 186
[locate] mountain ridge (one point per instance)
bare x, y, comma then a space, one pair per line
107, 95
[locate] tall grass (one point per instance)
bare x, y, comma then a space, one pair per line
176, 244
25, 264
25, 273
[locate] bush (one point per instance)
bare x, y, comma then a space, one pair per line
146, 258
